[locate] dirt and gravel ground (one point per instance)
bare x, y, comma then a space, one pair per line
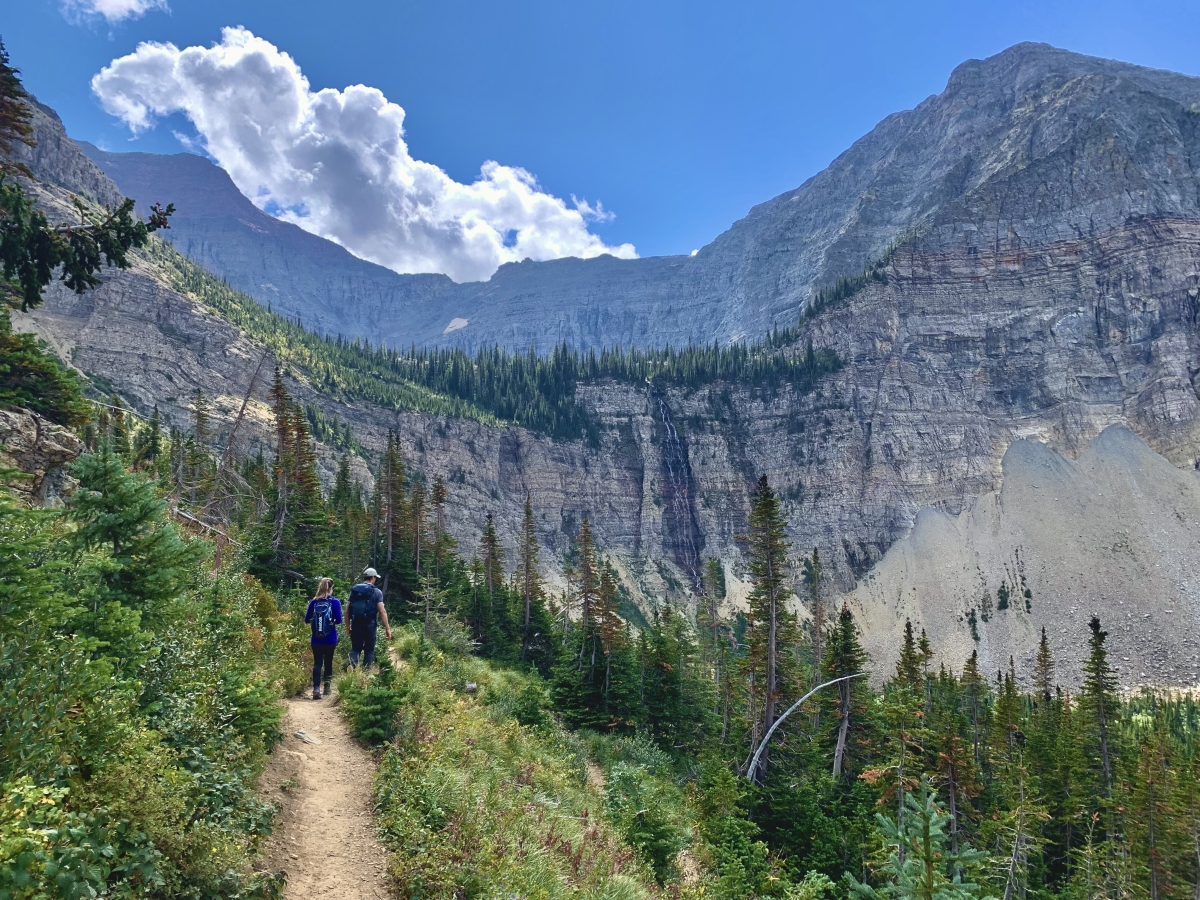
324, 836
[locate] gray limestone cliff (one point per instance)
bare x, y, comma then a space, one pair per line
1031, 146
1044, 285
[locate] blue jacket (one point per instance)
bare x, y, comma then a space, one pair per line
332, 637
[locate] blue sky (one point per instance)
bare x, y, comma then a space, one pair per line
677, 116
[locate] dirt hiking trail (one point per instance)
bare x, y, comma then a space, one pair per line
324, 836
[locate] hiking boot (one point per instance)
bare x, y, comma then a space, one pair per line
328, 687
316, 693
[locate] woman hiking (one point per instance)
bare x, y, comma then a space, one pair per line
325, 614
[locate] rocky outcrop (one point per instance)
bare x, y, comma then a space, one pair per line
41, 451
1030, 147
59, 161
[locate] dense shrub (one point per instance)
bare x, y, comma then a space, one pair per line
138, 710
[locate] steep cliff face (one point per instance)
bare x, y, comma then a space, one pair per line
1050, 291
947, 364
58, 161
1034, 145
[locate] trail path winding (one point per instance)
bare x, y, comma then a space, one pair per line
324, 836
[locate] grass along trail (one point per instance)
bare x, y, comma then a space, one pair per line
324, 836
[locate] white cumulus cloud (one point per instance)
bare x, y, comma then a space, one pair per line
112, 10
336, 162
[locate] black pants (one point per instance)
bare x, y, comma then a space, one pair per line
322, 656
362, 642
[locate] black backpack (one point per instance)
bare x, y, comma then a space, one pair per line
322, 618
362, 603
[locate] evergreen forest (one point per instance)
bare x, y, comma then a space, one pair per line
494, 386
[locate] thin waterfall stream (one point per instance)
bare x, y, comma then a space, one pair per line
681, 530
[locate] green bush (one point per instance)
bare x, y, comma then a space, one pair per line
641, 807
138, 713
48, 851
475, 804
371, 704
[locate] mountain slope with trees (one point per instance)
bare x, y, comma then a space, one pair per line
948, 350
535, 742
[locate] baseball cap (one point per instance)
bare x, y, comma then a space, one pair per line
370, 573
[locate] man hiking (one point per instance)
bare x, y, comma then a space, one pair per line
324, 613
366, 602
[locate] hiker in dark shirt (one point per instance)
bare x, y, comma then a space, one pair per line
325, 614
366, 604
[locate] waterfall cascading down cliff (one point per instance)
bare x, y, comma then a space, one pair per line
681, 532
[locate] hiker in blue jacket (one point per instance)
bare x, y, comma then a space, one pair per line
366, 605
325, 614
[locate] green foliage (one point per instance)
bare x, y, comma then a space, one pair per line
141, 695
474, 804
538, 392
33, 378
371, 704
48, 851
920, 865
149, 564
32, 250
636, 805
741, 862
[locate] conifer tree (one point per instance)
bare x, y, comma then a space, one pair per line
1007, 720
814, 578
284, 455
437, 499
149, 444
416, 522
847, 713
1187, 807
709, 614
953, 761
492, 555
429, 602
1043, 669
588, 589
567, 598
1019, 823
297, 526
120, 428
495, 594
392, 508
920, 865
122, 514
908, 667
531, 579
975, 696
1099, 699
1151, 814
771, 628
609, 627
